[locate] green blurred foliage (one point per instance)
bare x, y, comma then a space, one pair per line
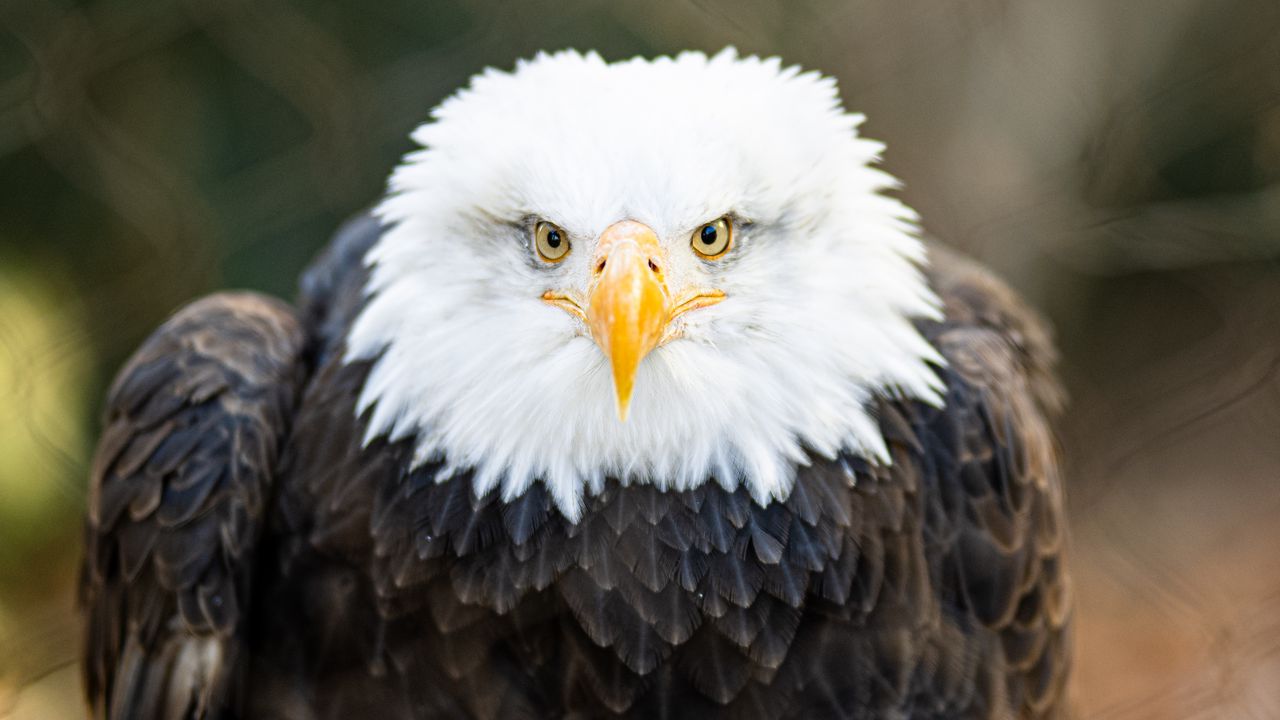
1118, 161
43, 378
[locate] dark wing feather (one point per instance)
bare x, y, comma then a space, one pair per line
178, 493
332, 289
997, 505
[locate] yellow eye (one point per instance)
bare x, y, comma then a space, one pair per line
713, 239
551, 242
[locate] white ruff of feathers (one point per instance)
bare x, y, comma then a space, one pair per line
821, 284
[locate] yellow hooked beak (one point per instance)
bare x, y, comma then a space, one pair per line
629, 306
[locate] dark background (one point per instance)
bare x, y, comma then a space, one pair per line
1117, 161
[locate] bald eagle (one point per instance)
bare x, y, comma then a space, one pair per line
636, 396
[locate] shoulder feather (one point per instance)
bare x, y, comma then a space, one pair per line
178, 491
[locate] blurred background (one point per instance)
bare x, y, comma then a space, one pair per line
1118, 162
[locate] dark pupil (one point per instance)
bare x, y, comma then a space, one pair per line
709, 235
553, 239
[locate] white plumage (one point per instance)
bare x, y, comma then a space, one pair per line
821, 285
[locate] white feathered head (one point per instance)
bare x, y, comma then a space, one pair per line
666, 271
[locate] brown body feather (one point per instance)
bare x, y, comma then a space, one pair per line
933, 588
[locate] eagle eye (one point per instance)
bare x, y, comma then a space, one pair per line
713, 239
551, 242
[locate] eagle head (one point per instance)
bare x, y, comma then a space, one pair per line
662, 271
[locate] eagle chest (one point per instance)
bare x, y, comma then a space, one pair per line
701, 596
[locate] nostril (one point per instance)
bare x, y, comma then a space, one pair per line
654, 266
600, 266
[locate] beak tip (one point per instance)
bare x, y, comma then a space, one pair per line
624, 406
